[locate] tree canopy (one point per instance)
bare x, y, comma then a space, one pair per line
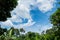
55, 18
5, 7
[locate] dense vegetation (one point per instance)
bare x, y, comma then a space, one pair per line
5, 7
17, 34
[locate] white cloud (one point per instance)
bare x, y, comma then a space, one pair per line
29, 23
7, 23
45, 5
38, 28
23, 11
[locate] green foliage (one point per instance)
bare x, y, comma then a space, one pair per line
5, 7
22, 30
55, 18
12, 34
2, 31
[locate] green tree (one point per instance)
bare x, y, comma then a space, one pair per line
55, 18
22, 30
2, 31
5, 7
32, 36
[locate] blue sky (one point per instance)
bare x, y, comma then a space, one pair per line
32, 15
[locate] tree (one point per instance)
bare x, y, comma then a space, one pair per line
5, 7
2, 31
13, 31
22, 30
32, 36
55, 18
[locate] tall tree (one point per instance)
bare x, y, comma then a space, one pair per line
2, 30
55, 18
5, 7
22, 30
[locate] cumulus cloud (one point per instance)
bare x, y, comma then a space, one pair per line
38, 28
7, 23
25, 24
22, 11
45, 5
